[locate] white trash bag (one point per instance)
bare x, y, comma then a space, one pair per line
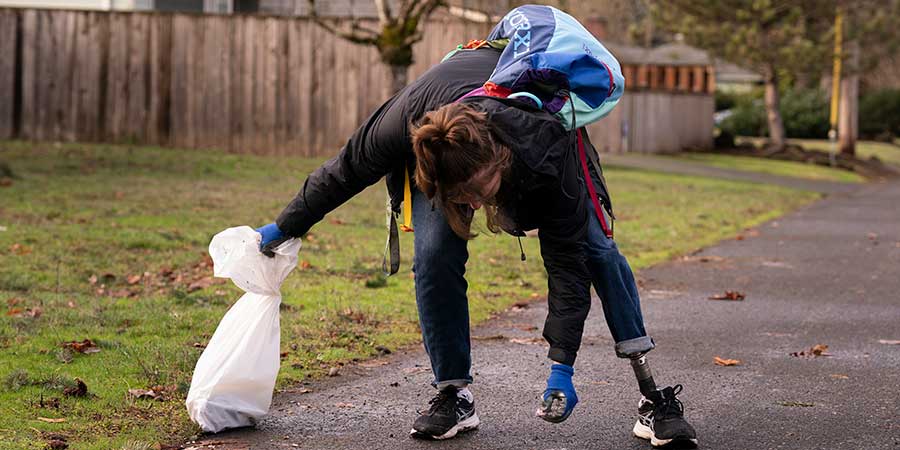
234, 379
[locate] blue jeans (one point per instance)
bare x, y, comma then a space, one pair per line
439, 265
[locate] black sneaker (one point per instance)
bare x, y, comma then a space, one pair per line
451, 412
661, 420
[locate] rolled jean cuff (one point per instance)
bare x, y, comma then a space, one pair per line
459, 384
562, 356
634, 347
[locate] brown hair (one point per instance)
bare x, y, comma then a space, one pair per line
452, 145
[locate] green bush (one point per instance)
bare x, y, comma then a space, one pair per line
804, 112
879, 114
748, 117
725, 100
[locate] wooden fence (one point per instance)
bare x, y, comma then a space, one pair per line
245, 83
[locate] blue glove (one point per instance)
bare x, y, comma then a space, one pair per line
272, 237
559, 398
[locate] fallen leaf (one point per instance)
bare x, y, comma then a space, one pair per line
889, 342
336, 221
149, 394
198, 345
71, 304
86, 346
19, 249
527, 341
838, 376
134, 279
92, 280
527, 327
726, 362
14, 312
305, 265
797, 404
6, 182
13, 301
345, 405
79, 390
49, 420
490, 337
729, 295
814, 352
372, 364
414, 370
57, 444
334, 372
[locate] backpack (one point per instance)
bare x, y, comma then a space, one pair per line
549, 57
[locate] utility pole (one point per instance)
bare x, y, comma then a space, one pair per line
836, 84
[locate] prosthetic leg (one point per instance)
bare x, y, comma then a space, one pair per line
643, 374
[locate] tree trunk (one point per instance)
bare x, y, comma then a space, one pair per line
398, 79
773, 111
848, 118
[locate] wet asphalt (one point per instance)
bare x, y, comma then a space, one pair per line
827, 274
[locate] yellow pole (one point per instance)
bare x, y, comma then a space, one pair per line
836, 82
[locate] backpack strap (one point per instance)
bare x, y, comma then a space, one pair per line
605, 223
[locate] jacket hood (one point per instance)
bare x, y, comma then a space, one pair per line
536, 137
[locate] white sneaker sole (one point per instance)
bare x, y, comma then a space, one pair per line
644, 432
470, 423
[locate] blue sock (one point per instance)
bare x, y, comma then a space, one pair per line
560, 381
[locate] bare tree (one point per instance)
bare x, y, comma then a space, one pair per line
395, 36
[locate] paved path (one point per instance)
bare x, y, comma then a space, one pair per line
827, 274
685, 167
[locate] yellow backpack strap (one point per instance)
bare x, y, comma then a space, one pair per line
407, 224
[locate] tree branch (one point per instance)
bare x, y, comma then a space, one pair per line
384, 12
357, 33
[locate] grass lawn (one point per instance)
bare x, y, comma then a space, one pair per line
108, 243
889, 153
773, 167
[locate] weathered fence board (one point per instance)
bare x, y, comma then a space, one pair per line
255, 84
8, 31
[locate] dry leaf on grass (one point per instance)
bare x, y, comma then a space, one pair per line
145, 394
133, 279
726, 362
86, 346
49, 420
729, 295
79, 390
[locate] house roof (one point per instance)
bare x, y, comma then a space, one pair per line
727, 72
674, 54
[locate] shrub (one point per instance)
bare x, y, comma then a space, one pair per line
879, 114
805, 114
748, 117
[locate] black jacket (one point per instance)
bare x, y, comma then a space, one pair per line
382, 146
547, 189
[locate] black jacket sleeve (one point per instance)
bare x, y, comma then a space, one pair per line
377, 147
569, 297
